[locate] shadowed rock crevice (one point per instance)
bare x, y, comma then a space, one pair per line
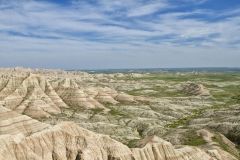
78, 157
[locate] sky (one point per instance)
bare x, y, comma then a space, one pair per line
102, 34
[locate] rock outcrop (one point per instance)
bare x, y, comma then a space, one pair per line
71, 94
154, 148
68, 141
31, 95
195, 89
215, 141
13, 123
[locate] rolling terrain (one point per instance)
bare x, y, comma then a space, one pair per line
73, 115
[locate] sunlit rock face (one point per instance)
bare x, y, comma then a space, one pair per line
13, 123
31, 95
69, 141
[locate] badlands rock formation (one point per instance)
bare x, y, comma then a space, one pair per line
128, 120
69, 141
31, 95
34, 95
195, 89
74, 96
13, 123
214, 149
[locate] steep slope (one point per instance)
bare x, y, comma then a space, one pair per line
14, 123
69, 91
155, 148
106, 95
31, 95
88, 97
219, 145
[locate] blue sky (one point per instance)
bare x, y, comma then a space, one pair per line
89, 34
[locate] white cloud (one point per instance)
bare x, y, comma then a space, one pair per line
147, 9
85, 30
48, 20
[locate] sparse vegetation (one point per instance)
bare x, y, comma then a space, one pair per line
191, 138
158, 92
132, 143
97, 110
117, 112
185, 120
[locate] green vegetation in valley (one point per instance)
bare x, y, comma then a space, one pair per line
191, 138
132, 143
229, 94
183, 77
97, 110
117, 112
174, 78
158, 92
185, 120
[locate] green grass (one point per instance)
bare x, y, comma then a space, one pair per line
229, 96
117, 112
191, 138
195, 114
173, 77
179, 122
236, 98
132, 143
158, 92
230, 91
185, 120
97, 110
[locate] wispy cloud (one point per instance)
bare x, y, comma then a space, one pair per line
195, 1
148, 9
115, 27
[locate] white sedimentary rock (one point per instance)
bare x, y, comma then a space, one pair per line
68, 141
31, 95
14, 123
